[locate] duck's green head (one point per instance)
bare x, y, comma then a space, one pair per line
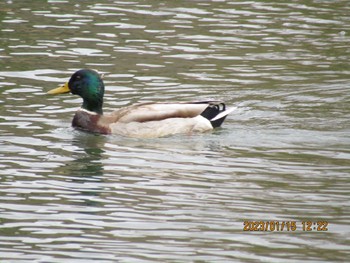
87, 84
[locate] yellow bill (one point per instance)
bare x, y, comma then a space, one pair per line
61, 89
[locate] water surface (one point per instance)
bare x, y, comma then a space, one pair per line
283, 155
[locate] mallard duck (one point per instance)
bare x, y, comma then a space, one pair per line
143, 120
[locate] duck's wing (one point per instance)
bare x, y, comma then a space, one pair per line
146, 112
150, 120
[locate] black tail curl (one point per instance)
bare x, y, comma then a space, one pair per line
212, 111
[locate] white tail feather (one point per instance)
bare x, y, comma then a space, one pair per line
223, 114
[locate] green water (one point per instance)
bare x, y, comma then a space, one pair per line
283, 155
